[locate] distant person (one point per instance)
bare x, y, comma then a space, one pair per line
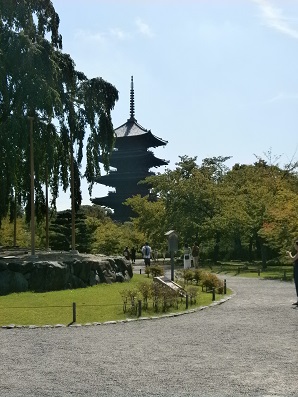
133, 255
295, 265
187, 257
126, 253
195, 255
146, 252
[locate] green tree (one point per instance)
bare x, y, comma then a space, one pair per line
61, 231
39, 81
249, 195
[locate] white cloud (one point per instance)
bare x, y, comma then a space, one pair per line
119, 34
143, 28
85, 35
101, 37
274, 18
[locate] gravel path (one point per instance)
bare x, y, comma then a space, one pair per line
246, 346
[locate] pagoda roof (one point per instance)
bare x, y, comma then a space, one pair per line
112, 200
146, 157
132, 129
115, 177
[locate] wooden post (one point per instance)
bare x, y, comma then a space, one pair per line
213, 294
74, 312
172, 265
225, 287
186, 301
139, 308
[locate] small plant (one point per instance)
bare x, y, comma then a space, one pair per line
192, 292
188, 275
130, 297
145, 289
198, 275
164, 297
210, 281
155, 271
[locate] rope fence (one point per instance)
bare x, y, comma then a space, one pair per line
134, 305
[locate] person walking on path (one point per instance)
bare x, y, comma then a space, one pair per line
295, 264
133, 255
195, 255
146, 252
126, 253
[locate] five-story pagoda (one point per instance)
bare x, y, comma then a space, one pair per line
132, 161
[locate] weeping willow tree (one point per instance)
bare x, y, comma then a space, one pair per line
40, 82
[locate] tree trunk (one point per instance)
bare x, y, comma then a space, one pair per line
216, 247
15, 220
47, 211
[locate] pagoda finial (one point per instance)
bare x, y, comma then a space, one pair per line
132, 100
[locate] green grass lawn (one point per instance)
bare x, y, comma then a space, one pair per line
271, 272
99, 303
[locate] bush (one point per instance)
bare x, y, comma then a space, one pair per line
130, 297
192, 292
155, 270
164, 297
210, 281
198, 275
145, 289
188, 275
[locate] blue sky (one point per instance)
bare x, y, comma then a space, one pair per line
212, 77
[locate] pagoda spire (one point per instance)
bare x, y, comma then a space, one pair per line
132, 101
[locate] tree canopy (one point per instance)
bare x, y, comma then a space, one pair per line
246, 212
39, 81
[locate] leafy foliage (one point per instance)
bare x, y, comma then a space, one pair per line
247, 212
60, 232
41, 82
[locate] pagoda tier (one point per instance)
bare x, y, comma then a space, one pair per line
129, 158
111, 200
122, 212
132, 133
132, 161
115, 178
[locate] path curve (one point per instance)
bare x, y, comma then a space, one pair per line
244, 347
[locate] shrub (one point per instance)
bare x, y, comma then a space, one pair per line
155, 270
198, 275
145, 289
130, 297
192, 292
164, 297
210, 281
188, 275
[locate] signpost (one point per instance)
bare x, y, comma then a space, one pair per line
173, 247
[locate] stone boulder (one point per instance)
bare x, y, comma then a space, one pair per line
59, 270
48, 276
12, 282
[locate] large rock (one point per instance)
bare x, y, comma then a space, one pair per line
20, 267
48, 276
12, 282
57, 271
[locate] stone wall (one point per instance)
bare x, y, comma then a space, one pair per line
54, 271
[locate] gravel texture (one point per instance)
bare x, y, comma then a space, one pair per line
246, 346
